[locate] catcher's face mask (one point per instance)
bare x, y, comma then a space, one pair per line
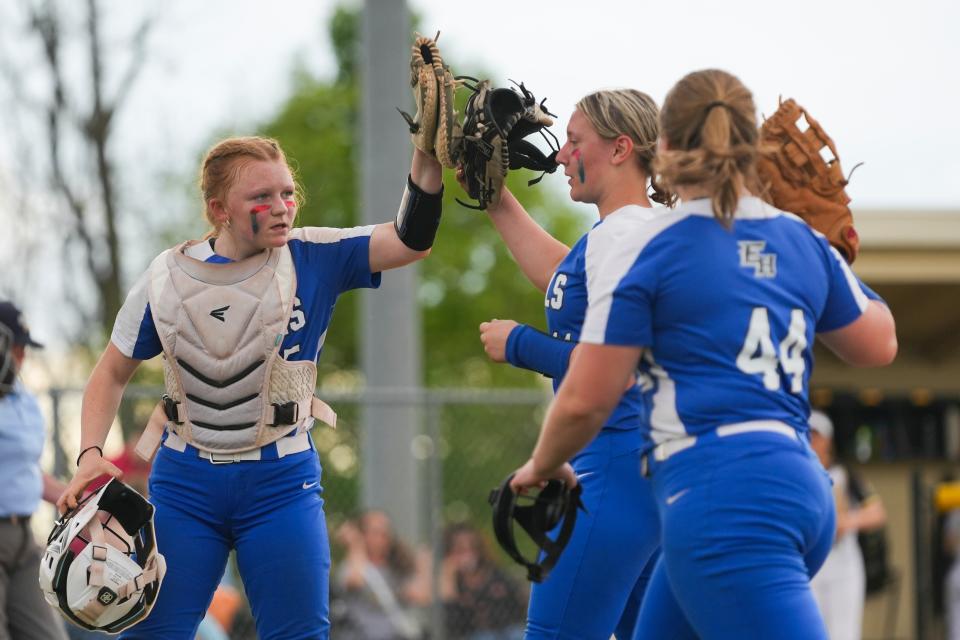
8, 369
543, 512
101, 568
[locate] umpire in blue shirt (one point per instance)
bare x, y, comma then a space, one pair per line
24, 614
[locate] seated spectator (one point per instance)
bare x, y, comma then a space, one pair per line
378, 586
481, 601
840, 585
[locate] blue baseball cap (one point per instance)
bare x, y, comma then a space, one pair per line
11, 317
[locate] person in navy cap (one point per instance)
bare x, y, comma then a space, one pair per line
14, 338
24, 614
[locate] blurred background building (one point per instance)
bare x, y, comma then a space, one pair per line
900, 425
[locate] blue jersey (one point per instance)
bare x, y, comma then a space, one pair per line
727, 317
327, 262
22, 435
570, 292
597, 585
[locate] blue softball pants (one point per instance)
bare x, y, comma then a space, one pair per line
747, 520
271, 512
597, 584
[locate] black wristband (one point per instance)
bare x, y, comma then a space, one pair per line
97, 447
418, 217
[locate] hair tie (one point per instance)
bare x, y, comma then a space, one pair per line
716, 103
695, 137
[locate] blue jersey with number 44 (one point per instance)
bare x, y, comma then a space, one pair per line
728, 317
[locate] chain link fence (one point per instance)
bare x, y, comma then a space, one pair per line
465, 444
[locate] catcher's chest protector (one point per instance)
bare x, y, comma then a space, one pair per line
221, 326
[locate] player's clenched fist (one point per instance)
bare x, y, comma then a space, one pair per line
494, 336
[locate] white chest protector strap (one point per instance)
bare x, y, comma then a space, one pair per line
221, 327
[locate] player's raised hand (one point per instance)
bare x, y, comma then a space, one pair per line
494, 336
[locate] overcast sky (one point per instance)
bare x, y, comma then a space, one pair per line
880, 76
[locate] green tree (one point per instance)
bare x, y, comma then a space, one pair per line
470, 277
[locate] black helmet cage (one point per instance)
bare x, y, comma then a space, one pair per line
554, 505
135, 515
7, 372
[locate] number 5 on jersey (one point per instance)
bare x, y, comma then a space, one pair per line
554, 299
758, 355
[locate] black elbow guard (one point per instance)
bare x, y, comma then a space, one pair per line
418, 216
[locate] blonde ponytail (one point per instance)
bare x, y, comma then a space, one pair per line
710, 122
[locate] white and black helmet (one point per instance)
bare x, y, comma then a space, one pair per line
101, 568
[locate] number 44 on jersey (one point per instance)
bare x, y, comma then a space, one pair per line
758, 356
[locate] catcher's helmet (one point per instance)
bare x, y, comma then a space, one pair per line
546, 510
101, 568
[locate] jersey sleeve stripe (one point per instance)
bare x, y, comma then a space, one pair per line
329, 235
623, 254
129, 323
858, 295
600, 242
860, 298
